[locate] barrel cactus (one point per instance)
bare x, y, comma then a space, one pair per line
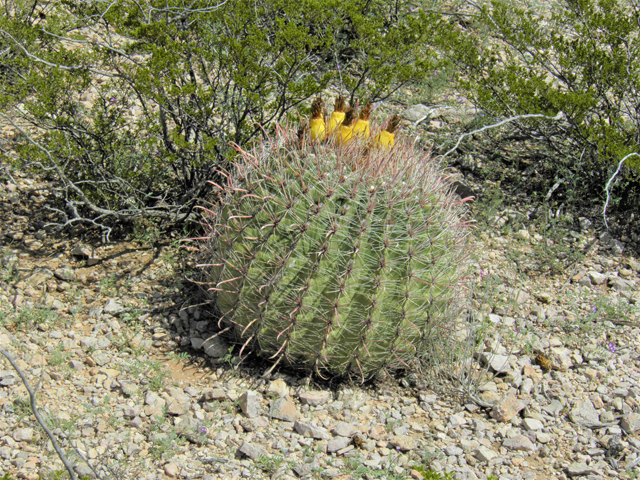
339, 259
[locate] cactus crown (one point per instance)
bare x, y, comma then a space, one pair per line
317, 107
349, 117
393, 124
340, 104
365, 112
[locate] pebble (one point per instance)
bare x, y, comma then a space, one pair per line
283, 408
507, 408
519, 442
315, 398
337, 443
249, 403
585, 414
279, 388
23, 435
631, 422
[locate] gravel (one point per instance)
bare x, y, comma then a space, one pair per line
106, 343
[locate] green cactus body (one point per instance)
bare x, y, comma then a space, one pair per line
335, 268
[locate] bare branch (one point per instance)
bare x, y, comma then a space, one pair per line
34, 408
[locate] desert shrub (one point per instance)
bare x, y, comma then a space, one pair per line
580, 57
130, 106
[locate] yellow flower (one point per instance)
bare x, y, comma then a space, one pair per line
316, 123
337, 116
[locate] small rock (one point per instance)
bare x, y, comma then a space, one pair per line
619, 284
344, 429
543, 437
249, 403
337, 443
532, 424
585, 224
251, 450
113, 307
83, 470
308, 430
81, 252
631, 422
179, 405
403, 443
597, 278
284, 409
484, 454
507, 408
171, 470
215, 347
498, 363
66, 274
23, 434
315, 398
453, 451
585, 414
417, 113
253, 424
128, 388
278, 387
580, 469
519, 442
214, 394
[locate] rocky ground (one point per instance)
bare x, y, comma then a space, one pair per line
130, 377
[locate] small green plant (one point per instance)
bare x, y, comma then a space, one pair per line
429, 474
31, 317
270, 464
59, 356
22, 408
181, 356
228, 358
152, 371
108, 285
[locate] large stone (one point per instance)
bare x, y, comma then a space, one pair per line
417, 113
279, 388
519, 442
337, 443
631, 422
253, 451
215, 347
507, 408
484, 454
23, 434
249, 403
283, 408
308, 430
316, 398
585, 414
403, 443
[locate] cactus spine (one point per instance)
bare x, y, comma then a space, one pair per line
335, 258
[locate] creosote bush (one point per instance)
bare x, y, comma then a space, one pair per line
580, 57
129, 107
339, 259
